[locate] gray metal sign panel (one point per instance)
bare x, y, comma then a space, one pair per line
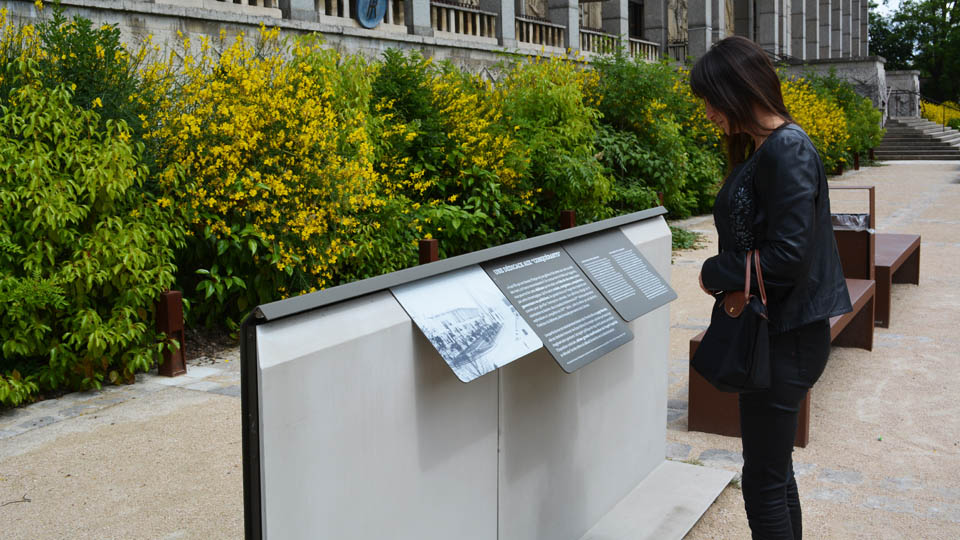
621, 273
562, 306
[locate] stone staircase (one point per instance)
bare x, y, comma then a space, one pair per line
917, 138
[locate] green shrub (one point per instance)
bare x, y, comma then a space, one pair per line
548, 104
83, 259
863, 120
659, 140
447, 152
684, 239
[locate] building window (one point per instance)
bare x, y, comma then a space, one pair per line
635, 15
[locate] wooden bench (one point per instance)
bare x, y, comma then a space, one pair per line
712, 411
897, 261
896, 258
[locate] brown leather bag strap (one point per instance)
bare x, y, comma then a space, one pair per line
746, 285
756, 261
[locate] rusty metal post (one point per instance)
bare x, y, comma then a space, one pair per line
568, 219
856, 161
873, 156
170, 322
429, 250
660, 197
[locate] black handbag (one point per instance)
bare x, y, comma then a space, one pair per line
734, 354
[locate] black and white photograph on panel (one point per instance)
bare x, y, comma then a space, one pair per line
468, 320
569, 314
627, 280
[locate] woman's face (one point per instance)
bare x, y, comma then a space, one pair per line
717, 117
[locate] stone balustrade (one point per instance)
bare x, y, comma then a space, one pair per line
647, 50
539, 32
461, 21
257, 8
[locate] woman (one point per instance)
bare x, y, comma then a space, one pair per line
774, 200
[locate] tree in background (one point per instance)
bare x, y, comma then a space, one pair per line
886, 40
930, 29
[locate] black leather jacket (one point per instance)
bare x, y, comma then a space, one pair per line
777, 201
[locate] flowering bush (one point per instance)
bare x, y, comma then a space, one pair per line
270, 153
821, 118
947, 113
448, 155
863, 121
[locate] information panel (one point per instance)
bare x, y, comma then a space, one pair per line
468, 320
562, 306
621, 272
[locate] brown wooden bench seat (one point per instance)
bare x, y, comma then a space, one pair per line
896, 257
897, 261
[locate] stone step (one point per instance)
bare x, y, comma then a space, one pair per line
916, 150
912, 121
949, 138
925, 127
955, 156
913, 141
915, 122
918, 158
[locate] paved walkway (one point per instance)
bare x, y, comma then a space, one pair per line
161, 459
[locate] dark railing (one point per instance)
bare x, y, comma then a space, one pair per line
678, 50
901, 95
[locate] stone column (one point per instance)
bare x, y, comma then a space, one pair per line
847, 34
826, 13
836, 29
855, 28
798, 35
616, 19
655, 23
718, 9
864, 25
417, 13
767, 17
699, 30
813, 29
784, 37
301, 10
506, 22
567, 13
743, 18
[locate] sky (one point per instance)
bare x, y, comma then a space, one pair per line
888, 7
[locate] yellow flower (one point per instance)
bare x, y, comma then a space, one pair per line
96, 103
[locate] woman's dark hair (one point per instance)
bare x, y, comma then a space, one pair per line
734, 76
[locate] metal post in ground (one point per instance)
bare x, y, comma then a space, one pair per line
170, 322
429, 250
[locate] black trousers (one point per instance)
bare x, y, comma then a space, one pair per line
768, 425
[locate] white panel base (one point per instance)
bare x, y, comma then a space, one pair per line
665, 506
